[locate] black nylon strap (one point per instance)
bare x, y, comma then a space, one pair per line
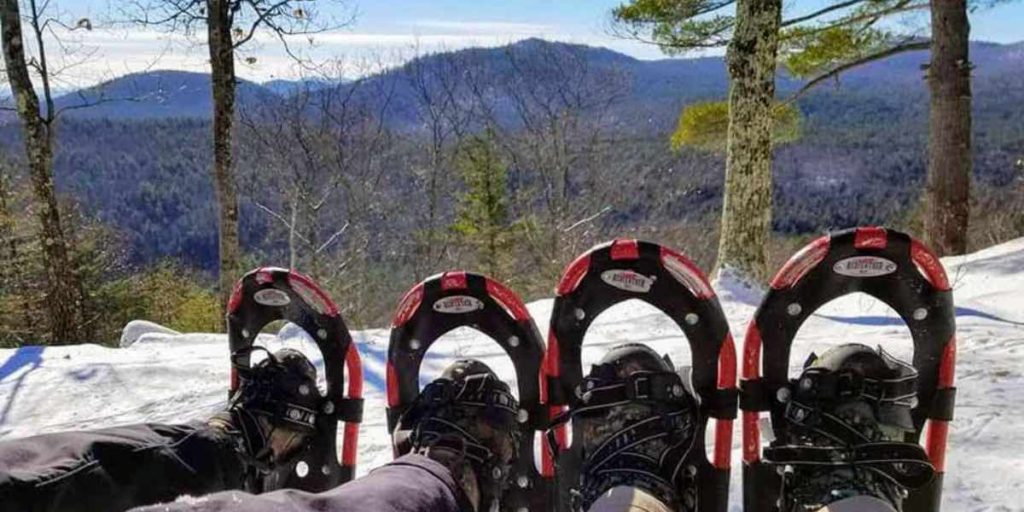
723, 404
943, 404
639, 386
906, 464
350, 410
753, 395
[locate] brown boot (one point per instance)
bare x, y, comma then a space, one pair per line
466, 420
272, 415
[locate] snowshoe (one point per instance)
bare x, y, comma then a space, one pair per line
467, 419
602, 277
268, 294
851, 423
445, 302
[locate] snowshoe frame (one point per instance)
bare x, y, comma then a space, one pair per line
268, 294
889, 266
455, 299
670, 282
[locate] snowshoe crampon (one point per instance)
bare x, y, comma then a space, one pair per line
268, 294
889, 266
628, 269
443, 303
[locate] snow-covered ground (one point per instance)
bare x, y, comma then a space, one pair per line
167, 377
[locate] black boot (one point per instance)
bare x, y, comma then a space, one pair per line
847, 416
272, 414
639, 423
466, 420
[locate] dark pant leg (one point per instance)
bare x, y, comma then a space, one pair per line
115, 469
412, 483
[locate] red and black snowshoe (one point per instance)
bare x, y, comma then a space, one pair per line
902, 273
628, 269
268, 294
445, 302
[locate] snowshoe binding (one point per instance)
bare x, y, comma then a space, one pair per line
259, 298
445, 302
848, 428
682, 475
638, 423
468, 420
273, 413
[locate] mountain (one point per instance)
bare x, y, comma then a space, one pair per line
154, 95
652, 91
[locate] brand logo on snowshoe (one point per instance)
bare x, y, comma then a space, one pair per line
628, 280
457, 304
272, 297
864, 266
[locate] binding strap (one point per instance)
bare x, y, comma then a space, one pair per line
905, 464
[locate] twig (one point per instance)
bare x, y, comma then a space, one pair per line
603, 211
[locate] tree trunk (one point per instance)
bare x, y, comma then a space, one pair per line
949, 138
63, 302
222, 74
747, 202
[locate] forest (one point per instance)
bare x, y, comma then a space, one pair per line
505, 160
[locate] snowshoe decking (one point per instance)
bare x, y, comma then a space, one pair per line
889, 266
450, 300
628, 269
268, 294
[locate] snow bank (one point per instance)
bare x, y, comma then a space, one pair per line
162, 376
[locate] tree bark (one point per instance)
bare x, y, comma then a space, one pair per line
63, 301
222, 74
947, 203
747, 202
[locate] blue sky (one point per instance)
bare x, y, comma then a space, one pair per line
387, 32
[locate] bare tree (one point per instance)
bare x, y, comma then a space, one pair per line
440, 95
230, 24
64, 293
550, 111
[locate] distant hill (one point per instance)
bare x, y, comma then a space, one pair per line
155, 95
656, 89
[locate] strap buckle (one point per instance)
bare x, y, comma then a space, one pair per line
639, 382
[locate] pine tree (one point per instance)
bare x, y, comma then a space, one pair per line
818, 45
482, 221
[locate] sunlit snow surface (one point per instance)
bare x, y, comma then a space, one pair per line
173, 378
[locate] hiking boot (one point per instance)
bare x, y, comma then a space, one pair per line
467, 421
848, 415
638, 424
272, 414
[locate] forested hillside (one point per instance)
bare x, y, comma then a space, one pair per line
368, 172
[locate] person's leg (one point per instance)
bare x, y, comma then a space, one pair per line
411, 483
116, 468
628, 499
859, 504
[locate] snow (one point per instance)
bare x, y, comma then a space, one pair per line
162, 376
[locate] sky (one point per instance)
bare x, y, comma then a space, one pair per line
383, 33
